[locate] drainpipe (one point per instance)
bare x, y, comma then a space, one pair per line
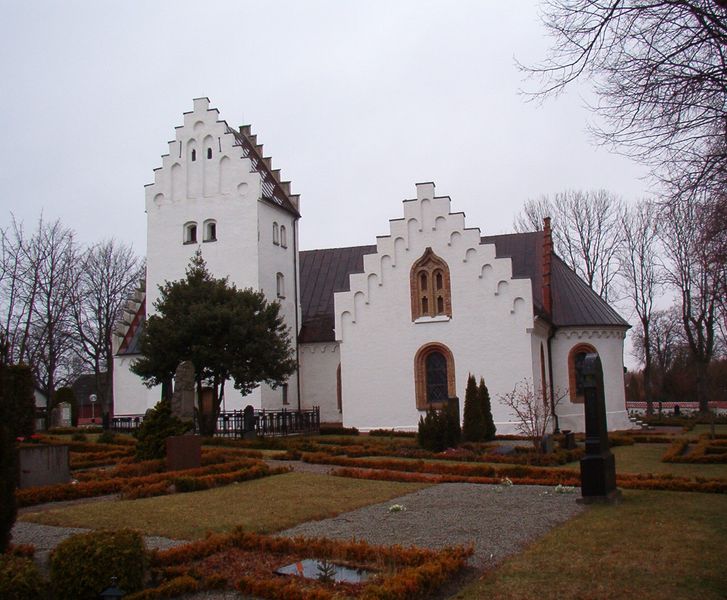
296, 299
551, 335
548, 307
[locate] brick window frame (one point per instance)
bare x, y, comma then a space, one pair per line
430, 287
420, 375
576, 398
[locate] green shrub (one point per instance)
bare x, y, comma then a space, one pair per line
81, 567
473, 425
17, 402
157, 426
483, 395
20, 579
107, 437
439, 430
79, 437
8, 483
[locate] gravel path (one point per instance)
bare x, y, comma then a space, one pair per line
498, 520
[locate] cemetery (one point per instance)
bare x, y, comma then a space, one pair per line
219, 504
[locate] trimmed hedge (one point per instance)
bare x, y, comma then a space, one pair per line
128, 485
20, 579
405, 572
81, 567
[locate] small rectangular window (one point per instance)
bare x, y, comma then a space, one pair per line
285, 394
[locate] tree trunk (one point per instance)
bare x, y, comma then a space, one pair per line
703, 386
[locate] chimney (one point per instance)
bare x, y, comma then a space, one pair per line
547, 262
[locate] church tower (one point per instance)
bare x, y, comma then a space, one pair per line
216, 192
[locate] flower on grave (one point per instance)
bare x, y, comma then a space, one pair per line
506, 481
564, 489
397, 508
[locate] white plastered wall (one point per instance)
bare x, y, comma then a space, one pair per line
489, 333
220, 189
273, 259
319, 364
608, 342
131, 396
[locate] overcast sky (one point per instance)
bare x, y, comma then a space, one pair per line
354, 101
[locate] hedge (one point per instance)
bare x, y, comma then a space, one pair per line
406, 572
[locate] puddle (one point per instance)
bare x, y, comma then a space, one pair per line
322, 570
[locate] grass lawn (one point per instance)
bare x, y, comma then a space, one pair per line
655, 545
263, 505
646, 458
719, 429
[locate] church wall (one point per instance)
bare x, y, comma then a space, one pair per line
131, 396
488, 333
277, 258
319, 364
219, 189
609, 345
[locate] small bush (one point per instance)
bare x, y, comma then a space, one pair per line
107, 437
82, 566
158, 425
392, 433
79, 437
337, 430
20, 579
439, 430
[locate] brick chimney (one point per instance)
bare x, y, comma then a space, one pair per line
547, 262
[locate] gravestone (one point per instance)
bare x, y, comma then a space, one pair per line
546, 444
183, 396
40, 464
569, 440
598, 466
248, 423
184, 452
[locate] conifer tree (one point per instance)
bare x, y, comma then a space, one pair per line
483, 397
473, 426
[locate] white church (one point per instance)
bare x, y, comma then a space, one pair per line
380, 332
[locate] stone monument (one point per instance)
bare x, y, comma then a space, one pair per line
183, 396
184, 451
598, 466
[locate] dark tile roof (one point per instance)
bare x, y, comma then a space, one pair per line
323, 272
574, 303
134, 345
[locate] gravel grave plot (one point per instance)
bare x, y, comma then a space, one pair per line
497, 520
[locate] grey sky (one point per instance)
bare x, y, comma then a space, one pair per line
355, 102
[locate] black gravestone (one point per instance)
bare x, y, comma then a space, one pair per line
248, 423
598, 466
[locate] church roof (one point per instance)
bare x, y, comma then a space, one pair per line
324, 272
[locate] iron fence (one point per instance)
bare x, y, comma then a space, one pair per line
232, 423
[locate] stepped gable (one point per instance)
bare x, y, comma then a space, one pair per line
274, 190
127, 332
322, 273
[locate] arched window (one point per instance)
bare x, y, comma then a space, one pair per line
276, 234
434, 376
210, 230
431, 294
209, 153
575, 371
280, 284
190, 233
194, 155
283, 237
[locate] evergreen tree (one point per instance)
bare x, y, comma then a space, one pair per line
227, 334
473, 427
483, 396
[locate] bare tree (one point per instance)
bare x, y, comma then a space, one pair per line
692, 273
39, 275
666, 338
658, 68
586, 232
532, 410
639, 269
109, 272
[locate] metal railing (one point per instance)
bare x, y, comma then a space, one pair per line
232, 423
